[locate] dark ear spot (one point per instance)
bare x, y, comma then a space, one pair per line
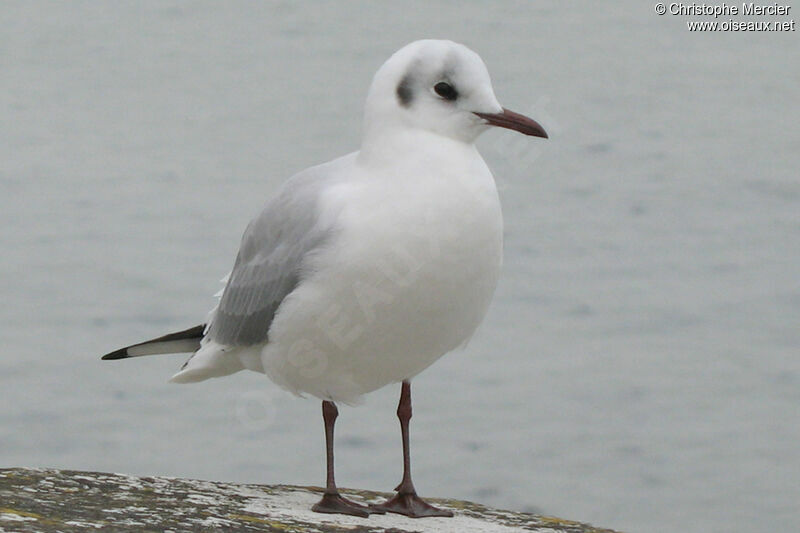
404, 93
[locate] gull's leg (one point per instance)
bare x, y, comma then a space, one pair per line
406, 501
332, 501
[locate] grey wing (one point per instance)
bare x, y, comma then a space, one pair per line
269, 263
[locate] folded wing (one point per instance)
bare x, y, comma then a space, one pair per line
270, 262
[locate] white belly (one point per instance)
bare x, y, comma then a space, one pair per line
407, 279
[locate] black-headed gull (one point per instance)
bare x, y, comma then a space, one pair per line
364, 270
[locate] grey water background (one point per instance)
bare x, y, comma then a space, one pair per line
640, 365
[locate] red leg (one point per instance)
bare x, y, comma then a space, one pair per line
406, 502
332, 501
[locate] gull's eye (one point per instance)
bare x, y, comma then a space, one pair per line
445, 90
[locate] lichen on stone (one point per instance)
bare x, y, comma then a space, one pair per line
44, 501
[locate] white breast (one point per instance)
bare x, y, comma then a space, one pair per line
407, 278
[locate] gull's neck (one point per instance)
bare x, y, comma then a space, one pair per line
403, 145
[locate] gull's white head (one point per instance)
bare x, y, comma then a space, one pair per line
441, 87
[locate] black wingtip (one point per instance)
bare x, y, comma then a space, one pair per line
122, 353
195, 332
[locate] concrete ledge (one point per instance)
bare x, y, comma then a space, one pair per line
44, 500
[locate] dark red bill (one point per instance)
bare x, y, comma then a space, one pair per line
514, 121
